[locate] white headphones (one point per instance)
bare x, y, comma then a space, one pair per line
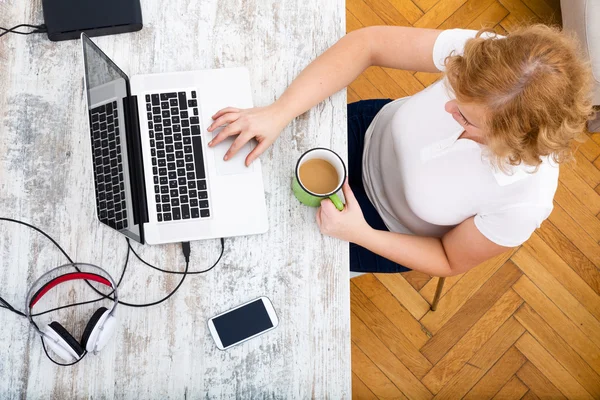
98, 330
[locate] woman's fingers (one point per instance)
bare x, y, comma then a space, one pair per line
224, 119
229, 130
258, 150
348, 194
237, 144
319, 217
225, 111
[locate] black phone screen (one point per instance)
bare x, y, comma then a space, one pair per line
242, 323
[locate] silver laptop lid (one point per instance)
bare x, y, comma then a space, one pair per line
114, 130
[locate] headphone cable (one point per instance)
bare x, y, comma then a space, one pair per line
185, 249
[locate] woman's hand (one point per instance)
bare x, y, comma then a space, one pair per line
348, 224
261, 123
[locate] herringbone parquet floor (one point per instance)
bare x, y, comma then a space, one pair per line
523, 325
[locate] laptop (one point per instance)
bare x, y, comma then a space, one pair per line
156, 180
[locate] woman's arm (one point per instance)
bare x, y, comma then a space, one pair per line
461, 249
388, 46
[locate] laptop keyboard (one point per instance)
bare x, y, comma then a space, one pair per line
180, 188
108, 166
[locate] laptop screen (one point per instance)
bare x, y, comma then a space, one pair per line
107, 90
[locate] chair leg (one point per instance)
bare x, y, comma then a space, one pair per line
438, 293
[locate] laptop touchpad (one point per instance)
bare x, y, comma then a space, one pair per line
236, 164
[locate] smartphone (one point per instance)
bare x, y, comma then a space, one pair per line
243, 322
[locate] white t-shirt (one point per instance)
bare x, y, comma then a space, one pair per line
423, 180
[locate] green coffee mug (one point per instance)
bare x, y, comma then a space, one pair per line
312, 199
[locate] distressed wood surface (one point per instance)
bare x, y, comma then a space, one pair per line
45, 178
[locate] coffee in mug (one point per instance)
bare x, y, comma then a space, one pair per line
320, 174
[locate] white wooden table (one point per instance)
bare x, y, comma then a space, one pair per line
45, 178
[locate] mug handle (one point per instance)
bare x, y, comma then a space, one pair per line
337, 202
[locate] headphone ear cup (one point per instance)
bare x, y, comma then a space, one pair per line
99, 330
62, 343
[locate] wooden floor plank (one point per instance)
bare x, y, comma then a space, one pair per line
579, 188
460, 384
570, 253
369, 285
497, 376
388, 88
352, 23
408, 9
365, 89
544, 11
485, 358
392, 309
575, 235
363, 13
538, 383
416, 333
595, 137
428, 291
551, 368
590, 148
386, 361
499, 343
520, 15
352, 96
565, 328
578, 211
512, 390
367, 371
530, 395
500, 30
491, 17
416, 279
439, 13
388, 333
559, 349
388, 13
564, 274
360, 390
462, 291
405, 80
474, 309
558, 294
406, 295
427, 78
586, 170
472, 341
466, 13
425, 5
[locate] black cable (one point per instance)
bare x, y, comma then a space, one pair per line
43, 233
89, 301
56, 362
184, 245
185, 249
36, 29
11, 308
177, 272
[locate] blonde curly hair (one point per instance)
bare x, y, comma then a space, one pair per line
535, 87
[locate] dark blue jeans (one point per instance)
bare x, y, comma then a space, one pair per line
360, 115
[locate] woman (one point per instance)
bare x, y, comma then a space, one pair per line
455, 174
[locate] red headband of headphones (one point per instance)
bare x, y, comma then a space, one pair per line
65, 278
